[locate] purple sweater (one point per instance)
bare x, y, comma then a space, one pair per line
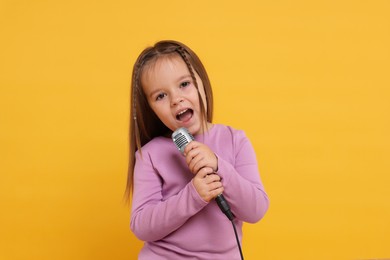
170, 216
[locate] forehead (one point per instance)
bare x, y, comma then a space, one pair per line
164, 68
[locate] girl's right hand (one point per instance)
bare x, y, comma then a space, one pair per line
207, 184
198, 156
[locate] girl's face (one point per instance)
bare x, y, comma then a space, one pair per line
172, 94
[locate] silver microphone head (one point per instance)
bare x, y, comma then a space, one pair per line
181, 137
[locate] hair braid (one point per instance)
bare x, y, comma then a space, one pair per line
135, 104
182, 53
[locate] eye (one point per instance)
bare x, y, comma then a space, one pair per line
185, 84
160, 96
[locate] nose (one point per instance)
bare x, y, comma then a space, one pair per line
176, 100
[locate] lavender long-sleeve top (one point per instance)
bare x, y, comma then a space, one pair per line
170, 216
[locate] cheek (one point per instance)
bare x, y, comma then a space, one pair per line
160, 110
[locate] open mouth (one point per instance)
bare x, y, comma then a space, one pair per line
185, 115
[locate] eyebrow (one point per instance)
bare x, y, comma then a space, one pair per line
151, 94
184, 76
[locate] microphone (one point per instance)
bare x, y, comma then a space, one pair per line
181, 137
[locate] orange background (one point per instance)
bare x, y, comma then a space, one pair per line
307, 80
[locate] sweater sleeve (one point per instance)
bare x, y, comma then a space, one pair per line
152, 217
243, 188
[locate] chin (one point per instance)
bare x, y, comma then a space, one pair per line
194, 130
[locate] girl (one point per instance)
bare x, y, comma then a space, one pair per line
173, 206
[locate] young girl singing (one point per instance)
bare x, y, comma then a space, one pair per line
173, 206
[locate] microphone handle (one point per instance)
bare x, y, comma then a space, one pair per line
224, 206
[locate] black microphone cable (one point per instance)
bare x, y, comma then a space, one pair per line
225, 208
238, 241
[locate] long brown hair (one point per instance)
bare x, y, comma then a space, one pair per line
144, 124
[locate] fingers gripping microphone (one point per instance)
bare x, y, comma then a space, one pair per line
181, 137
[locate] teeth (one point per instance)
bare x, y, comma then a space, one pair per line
182, 112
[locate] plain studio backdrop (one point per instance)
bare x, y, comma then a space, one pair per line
308, 81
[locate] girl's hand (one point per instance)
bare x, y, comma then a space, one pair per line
207, 184
199, 155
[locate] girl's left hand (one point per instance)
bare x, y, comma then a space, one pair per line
199, 155
207, 184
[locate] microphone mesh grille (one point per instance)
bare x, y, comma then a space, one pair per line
181, 137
